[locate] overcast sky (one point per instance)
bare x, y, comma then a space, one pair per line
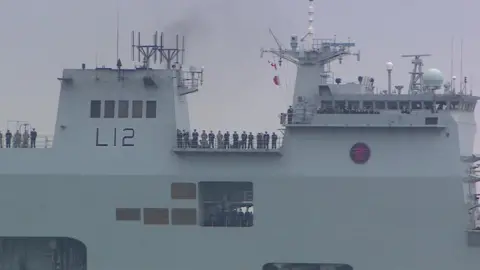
40, 38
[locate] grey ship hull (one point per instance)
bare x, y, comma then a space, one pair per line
308, 208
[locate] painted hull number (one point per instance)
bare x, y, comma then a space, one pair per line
122, 138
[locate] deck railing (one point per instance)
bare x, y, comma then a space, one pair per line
42, 141
257, 144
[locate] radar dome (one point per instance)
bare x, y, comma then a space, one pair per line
433, 78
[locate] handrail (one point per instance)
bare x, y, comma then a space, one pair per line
257, 144
42, 141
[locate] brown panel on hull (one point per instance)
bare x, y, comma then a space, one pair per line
128, 214
184, 191
184, 216
156, 216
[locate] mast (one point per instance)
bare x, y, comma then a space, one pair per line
320, 52
118, 29
452, 55
462, 83
308, 37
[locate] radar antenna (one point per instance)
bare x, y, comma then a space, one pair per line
416, 78
146, 52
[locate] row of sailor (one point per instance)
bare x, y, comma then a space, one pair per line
222, 140
19, 141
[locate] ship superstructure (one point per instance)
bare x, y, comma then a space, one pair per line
357, 178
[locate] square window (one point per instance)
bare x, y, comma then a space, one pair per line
137, 109
95, 108
151, 109
109, 110
123, 109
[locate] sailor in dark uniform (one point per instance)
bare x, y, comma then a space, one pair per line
33, 138
259, 140
226, 140
289, 115
211, 139
274, 140
8, 139
243, 142
235, 139
194, 139
266, 140
250, 141
186, 139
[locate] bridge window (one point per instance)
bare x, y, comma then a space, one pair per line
454, 105
151, 109
226, 204
470, 107
380, 105
416, 105
339, 104
428, 105
405, 105
95, 108
354, 105
441, 105
137, 109
326, 104
123, 109
368, 104
109, 110
392, 105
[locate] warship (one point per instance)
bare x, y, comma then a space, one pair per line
357, 177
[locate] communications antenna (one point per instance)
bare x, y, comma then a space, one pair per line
462, 79
118, 30
416, 78
171, 56
310, 31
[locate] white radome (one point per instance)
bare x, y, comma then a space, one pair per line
389, 65
433, 78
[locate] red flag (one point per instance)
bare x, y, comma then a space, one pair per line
276, 80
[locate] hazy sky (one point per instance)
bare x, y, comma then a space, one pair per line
40, 38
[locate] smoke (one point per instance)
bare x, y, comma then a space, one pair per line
225, 37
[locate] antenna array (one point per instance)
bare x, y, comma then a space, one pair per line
310, 32
174, 55
416, 75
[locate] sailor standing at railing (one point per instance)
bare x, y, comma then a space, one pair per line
250, 140
219, 140
203, 140
8, 139
17, 139
289, 115
25, 139
211, 139
243, 142
33, 138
